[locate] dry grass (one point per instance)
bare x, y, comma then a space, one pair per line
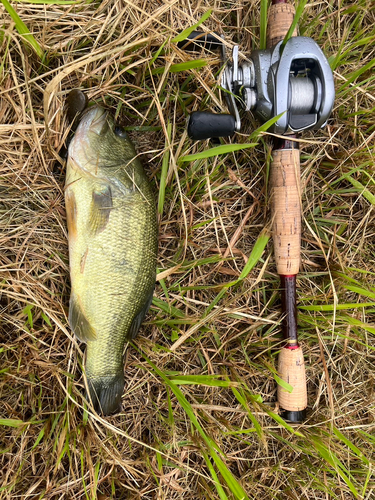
49, 446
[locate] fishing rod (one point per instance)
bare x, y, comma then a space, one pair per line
292, 82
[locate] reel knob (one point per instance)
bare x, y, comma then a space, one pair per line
198, 40
204, 125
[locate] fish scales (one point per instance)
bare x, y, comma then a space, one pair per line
112, 232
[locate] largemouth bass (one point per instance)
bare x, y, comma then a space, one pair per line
112, 228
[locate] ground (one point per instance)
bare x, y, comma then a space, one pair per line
199, 416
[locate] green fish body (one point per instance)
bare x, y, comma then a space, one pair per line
112, 231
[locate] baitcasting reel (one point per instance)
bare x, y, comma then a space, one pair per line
295, 82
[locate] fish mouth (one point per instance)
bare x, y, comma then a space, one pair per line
83, 149
94, 120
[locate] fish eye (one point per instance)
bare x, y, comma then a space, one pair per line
120, 132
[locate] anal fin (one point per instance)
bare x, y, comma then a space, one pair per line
78, 321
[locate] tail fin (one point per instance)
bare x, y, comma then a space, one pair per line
105, 393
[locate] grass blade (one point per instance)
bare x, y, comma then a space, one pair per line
255, 255
219, 150
12, 422
184, 66
282, 422
263, 24
184, 34
164, 169
208, 380
27, 311
298, 14
158, 52
167, 308
287, 387
50, 2
23, 29
335, 463
361, 291
362, 189
338, 307
218, 486
265, 126
356, 322
242, 400
359, 72
350, 445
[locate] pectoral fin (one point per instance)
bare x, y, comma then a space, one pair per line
100, 209
78, 321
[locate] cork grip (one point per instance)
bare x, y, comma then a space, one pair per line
292, 370
286, 210
280, 17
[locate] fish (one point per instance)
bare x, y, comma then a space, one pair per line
112, 239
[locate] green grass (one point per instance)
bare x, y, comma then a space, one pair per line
185, 33
23, 29
299, 11
50, 2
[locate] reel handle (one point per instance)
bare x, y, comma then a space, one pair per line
204, 125
198, 40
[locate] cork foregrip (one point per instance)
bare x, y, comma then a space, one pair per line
280, 18
286, 210
292, 370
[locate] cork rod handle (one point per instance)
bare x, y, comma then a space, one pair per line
286, 210
292, 370
286, 214
280, 17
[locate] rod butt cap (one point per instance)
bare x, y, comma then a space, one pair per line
294, 416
